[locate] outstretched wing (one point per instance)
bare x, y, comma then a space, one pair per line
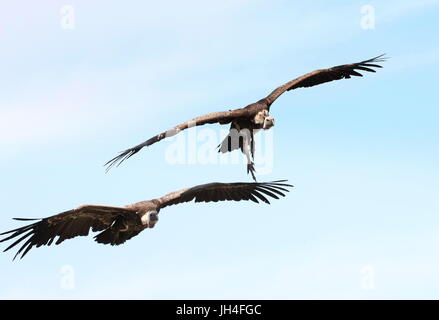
326, 75
66, 225
215, 192
215, 117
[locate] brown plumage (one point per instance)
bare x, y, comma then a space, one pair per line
119, 224
256, 115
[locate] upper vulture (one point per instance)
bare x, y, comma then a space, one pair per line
245, 122
119, 224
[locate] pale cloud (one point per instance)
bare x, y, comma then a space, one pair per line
389, 11
414, 59
49, 116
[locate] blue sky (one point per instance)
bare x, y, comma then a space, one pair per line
362, 220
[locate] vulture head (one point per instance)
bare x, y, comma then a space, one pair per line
268, 123
264, 120
150, 218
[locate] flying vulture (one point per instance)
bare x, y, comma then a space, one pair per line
119, 224
245, 122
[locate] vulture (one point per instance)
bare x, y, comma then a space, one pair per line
119, 224
245, 122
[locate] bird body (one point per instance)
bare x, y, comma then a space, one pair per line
119, 224
255, 116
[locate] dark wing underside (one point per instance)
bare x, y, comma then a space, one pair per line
317, 77
70, 224
215, 117
214, 192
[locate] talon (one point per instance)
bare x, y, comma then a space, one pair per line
251, 169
